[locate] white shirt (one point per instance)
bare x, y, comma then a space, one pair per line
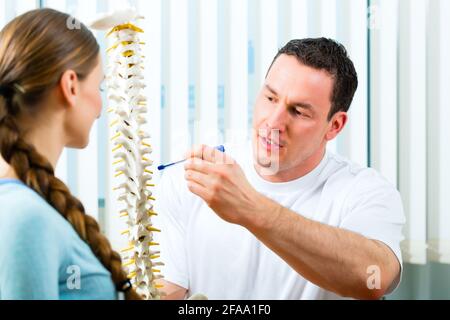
207, 255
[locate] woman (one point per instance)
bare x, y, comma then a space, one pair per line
49, 98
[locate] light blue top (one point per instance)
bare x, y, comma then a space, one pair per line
41, 255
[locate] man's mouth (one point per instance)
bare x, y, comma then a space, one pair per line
269, 143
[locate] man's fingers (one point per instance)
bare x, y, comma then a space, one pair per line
196, 164
213, 155
209, 154
198, 190
195, 152
196, 177
216, 156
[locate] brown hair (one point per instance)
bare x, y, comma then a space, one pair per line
36, 48
331, 56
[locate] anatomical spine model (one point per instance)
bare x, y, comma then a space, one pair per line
131, 148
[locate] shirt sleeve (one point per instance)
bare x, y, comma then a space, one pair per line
171, 207
375, 211
30, 257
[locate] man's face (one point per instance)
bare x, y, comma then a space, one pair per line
290, 120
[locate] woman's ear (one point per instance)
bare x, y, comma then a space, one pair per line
69, 85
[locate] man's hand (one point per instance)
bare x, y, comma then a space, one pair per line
172, 291
220, 182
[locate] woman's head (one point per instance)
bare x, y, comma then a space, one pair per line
50, 75
59, 70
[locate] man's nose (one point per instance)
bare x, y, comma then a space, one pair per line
279, 118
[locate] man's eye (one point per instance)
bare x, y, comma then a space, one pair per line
270, 99
299, 113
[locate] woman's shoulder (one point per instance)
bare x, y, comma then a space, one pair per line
17, 201
25, 212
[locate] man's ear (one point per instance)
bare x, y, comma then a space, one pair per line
337, 124
69, 87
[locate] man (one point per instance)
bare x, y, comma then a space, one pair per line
283, 218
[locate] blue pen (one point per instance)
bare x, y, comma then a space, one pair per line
162, 167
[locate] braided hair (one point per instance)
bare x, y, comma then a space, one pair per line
36, 48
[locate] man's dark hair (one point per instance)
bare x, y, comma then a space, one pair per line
326, 54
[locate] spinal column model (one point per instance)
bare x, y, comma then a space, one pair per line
131, 148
